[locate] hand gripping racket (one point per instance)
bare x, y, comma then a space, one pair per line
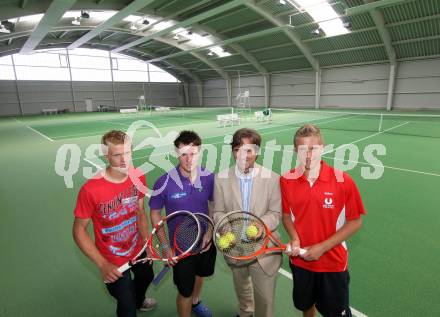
243, 236
205, 241
180, 227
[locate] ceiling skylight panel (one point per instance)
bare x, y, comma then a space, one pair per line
102, 15
220, 52
194, 38
99, 15
132, 18
31, 18
163, 25
198, 40
323, 14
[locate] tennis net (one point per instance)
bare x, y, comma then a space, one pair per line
412, 124
200, 113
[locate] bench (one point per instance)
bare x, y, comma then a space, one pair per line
50, 111
228, 119
128, 110
102, 108
262, 116
259, 115
162, 109
47, 111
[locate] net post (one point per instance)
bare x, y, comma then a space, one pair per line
380, 122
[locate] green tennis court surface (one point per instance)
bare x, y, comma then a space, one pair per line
393, 259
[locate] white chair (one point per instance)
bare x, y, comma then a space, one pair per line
259, 116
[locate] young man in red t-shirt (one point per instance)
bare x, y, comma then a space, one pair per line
322, 208
115, 206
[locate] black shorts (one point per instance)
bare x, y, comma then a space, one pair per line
186, 270
327, 290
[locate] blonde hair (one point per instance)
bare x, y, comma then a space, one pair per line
115, 137
307, 130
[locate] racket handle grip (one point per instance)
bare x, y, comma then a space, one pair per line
124, 267
289, 250
161, 275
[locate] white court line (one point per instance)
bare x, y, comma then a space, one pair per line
384, 166
78, 136
269, 132
293, 127
369, 164
37, 132
328, 157
216, 136
112, 122
85, 135
263, 133
277, 131
354, 312
372, 135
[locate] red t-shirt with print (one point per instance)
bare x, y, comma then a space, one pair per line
113, 209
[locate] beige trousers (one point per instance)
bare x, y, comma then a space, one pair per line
255, 290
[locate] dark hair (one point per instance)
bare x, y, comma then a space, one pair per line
245, 133
187, 137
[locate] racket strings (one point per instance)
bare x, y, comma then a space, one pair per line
206, 232
186, 235
238, 240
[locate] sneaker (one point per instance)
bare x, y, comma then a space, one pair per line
148, 304
201, 310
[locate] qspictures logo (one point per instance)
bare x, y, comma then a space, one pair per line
217, 156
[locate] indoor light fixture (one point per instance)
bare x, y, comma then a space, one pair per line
347, 25
85, 15
3, 29
219, 51
76, 21
7, 26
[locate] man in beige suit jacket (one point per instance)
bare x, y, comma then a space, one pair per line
250, 187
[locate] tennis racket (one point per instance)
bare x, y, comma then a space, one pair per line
205, 241
243, 236
181, 227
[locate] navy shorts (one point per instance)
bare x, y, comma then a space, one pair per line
327, 290
186, 270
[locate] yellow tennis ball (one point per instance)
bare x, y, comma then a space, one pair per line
223, 243
230, 237
252, 231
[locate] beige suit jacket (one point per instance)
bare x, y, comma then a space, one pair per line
265, 202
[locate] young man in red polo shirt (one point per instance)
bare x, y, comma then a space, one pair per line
322, 208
